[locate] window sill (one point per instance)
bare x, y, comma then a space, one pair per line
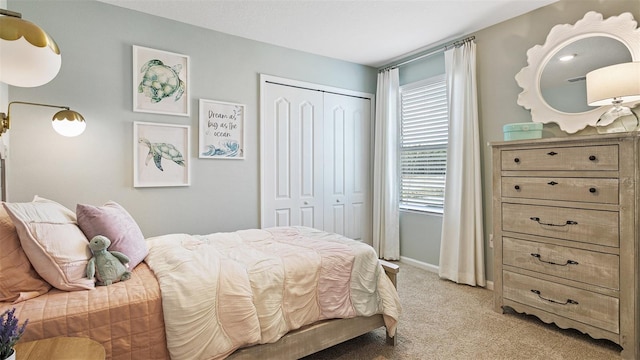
433, 212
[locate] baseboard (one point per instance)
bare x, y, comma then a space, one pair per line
420, 264
431, 268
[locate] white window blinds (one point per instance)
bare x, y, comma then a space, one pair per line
423, 144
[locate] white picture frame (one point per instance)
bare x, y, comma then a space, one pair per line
160, 82
221, 130
162, 154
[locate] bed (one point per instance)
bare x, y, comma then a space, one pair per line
175, 305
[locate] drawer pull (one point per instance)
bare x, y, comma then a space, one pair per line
592, 158
552, 153
569, 262
569, 222
552, 183
569, 301
517, 160
592, 190
517, 187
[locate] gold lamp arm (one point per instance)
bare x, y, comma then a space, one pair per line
10, 13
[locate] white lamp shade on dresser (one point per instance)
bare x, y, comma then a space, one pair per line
616, 82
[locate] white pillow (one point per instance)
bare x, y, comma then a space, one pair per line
53, 242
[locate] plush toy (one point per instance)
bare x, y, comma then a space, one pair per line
107, 266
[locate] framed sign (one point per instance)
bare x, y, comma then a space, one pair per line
221, 133
161, 155
160, 82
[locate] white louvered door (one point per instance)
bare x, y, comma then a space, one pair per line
292, 157
347, 140
316, 164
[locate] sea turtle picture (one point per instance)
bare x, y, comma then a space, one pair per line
160, 81
157, 151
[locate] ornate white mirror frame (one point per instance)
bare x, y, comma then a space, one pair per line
622, 28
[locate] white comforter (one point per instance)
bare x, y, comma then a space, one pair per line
228, 290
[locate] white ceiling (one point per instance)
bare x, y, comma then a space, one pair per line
368, 32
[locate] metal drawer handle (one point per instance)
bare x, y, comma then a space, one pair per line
592, 190
592, 158
569, 262
569, 301
569, 222
552, 183
552, 153
517, 187
517, 160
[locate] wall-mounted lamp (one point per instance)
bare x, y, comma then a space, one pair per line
615, 85
65, 122
30, 57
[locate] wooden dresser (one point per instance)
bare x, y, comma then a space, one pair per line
565, 231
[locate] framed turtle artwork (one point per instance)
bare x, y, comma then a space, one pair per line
160, 82
161, 155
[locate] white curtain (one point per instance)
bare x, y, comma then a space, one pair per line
386, 228
462, 242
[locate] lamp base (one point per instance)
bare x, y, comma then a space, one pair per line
618, 119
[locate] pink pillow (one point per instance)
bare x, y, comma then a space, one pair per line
114, 222
53, 242
18, 279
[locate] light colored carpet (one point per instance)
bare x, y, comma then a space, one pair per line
444, 320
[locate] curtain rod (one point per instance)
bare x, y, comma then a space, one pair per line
439, 50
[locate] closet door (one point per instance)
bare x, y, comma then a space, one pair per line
292, 157
347, 168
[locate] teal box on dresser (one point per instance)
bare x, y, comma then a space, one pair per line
522, 131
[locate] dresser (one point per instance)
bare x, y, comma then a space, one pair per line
565, 215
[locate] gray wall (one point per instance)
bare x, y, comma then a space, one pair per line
501, 53
96, 79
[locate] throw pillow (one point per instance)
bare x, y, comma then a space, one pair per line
114, 222
18, 279
53, 242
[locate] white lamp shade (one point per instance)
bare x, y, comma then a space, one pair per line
615, 82
68, 123
28, 56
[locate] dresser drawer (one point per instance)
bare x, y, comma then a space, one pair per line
594, 190
585, 266
580, 305
589, 158
590, 226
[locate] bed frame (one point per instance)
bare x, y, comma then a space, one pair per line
321, 335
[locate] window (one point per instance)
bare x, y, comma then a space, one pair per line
423, 144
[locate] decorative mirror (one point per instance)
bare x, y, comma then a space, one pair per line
553, 83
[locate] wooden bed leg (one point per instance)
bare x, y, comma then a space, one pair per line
392, 271
392, 341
